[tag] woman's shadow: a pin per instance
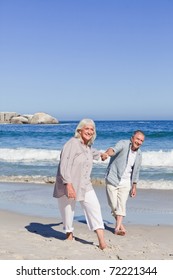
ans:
(45, 230)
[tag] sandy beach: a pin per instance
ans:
(31, 227)
(26, 237)
(32, 238)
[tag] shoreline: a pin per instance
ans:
(96, 181)
(149, 207)
(41, 180)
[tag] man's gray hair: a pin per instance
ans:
(138, 131)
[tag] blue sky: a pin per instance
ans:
(102, 59)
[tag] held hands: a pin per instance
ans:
(104, 156)
(109, 153)
(70, 192)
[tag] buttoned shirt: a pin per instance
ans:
(126, 177)
(118, 163)
(75, 167)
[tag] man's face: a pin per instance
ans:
(137, 141)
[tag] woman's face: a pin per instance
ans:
(87, 133)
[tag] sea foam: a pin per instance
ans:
(149, 159)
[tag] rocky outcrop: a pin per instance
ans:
(19, 119)
(37, 118)
(42, 118)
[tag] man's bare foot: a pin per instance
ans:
(122, 228)
(69, 236)
(120, 231)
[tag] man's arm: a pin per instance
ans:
(109, 153)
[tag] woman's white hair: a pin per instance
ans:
(83, 123)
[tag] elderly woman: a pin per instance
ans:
(73, 182)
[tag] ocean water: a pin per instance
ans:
(34, 150)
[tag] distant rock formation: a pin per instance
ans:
(19, 120)
(37, 118)
(40, 118)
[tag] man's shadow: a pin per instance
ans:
(109, 228)
(46, 230)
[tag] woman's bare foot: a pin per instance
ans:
(69, 236)
(101, 239)
(102, 245)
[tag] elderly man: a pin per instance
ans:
(122, 175)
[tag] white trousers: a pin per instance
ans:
(117, 199)
(90, 206)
